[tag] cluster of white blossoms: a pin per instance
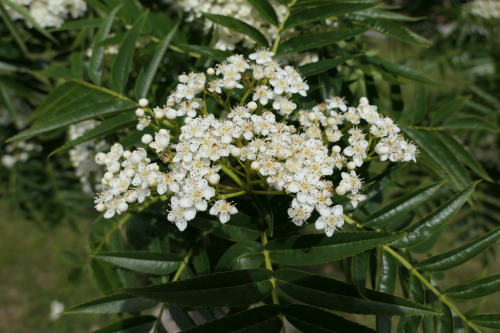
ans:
(487, 9)
(19, 152)
(263, 142)
(50, 13)
(81, 156)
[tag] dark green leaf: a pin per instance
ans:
(207, 52)
(388, 273)
(145, 262)
(262, 319)
(58, 72)
(181, 317)
(302, 16)
(73, 102)
(309, 319)
(402, 206)
(240, 229)
(147, 74)
(13, 30)
(444, 323)
(123, 62)
(85, 23)
(200, 260)
(435, 220)
(400, 70)
(235, 288)
(472, 123)
(317, 40)
(475, 289)
(392, 29)
(359, 268)
(335, 295)
(117, 303)
(247, 254)
(322, 65)
(448, 109)
(238, 26)
(319, 249)
(429, 142)
(266, 10)
(95, 70)
(461, 254)
(463, 155)
(139, 324)
(490, 320)
(420, 105)
(111, 125)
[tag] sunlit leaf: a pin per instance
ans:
(145, 262)
(117, 303)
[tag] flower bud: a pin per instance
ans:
(252, 106)
(147, 139)
(139, 112)
(351, 165)
(340, 190)
(336, 149)
(211, 71)
(100, 207)
(143, 102)
(255, 165)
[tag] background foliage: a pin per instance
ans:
(257, 272)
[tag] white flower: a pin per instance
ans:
(179, 215)
(332, 221)
(223, 209)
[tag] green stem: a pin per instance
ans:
(268, 192)
(282, 28)
(269, 266)
(232, 175)
(419, 276)
(231, 195)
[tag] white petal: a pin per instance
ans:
(181, 225)
(338, 210)
(224, 217)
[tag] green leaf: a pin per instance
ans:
(302, 16)
(207, 52)
(262, 319)
(400, 70)
(21, 10)
(401, 207)
(335, 295)
(463, 155)
(117, 303)
(322, 65)
(56, 71)
(359, 268)
(13, 30)
(95, 70)
(490, 320)
(435, 220)
(83, 23)
(122, 65)
(448, 108)
(472, 123)
(475, 289)
(145, 262)
(247, 254)
(240, 229)
(139, 324)
(147, 74)
(388, 274)
(111, 125)
(317, 40)
(239, 26)
(235, 288)
(429, 142)
(461, 254)
(266, 10)
(444, 323)
(309, 319)
(420, 105)
(319, 249)
(392, 29)
(73, 102)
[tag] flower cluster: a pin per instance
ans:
(19, 152)
(263, 139)
(80, 156)
(487, 9)
(50, 13)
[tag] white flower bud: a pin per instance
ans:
(147, 139)
(100, 207)
(159, 113)
(139, 112)
(127, 154)
(382, 149)
(171, 114)
(340, 190)
(122, 207)
(252, 106)
(108, 176)
(255, 165)
(351, 165)
(143, 102)
(99, 158)
(114, 167)
(214, 179)
(235, 151)
(312, 116)
(336, 149)
(187, 120)
(211, 71)
(281, 154)
(363, 101)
